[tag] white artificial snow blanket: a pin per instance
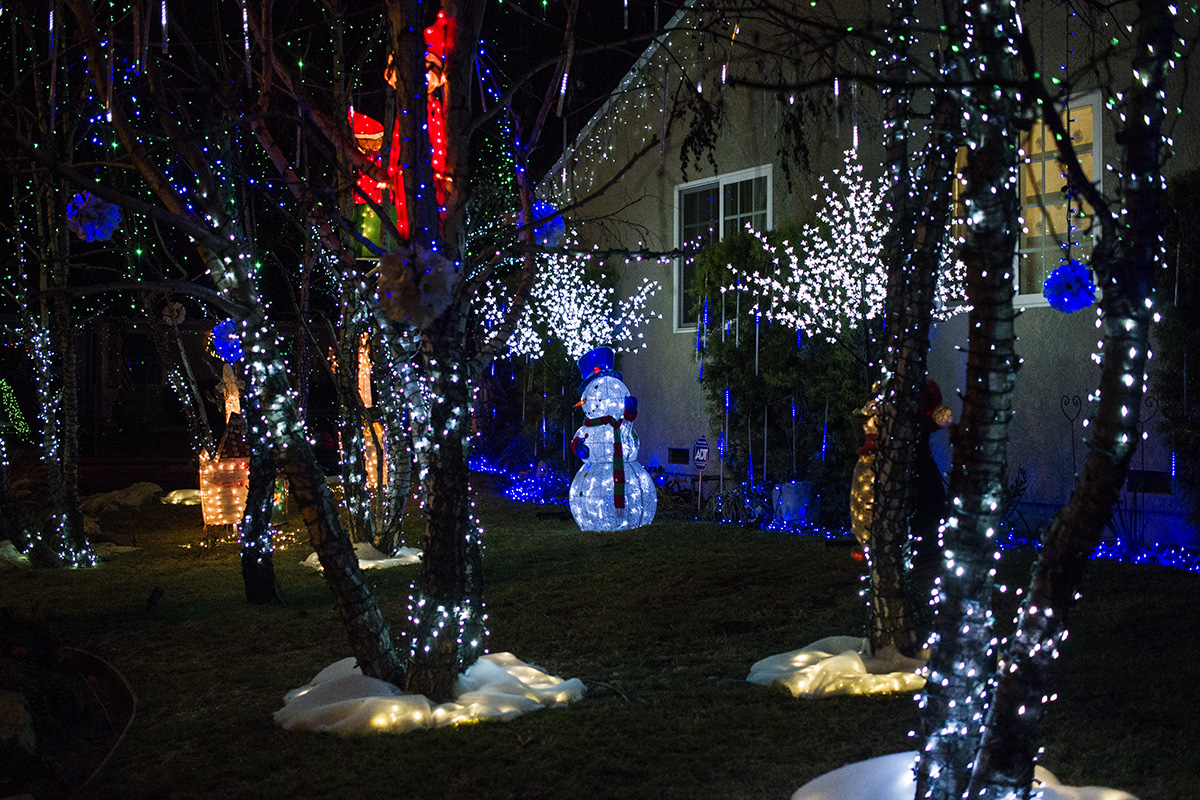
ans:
(10, 556)
(370, 558)
(498, 686)
(183, 497)
(839, 665)
(891, 778)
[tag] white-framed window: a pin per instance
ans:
(1054, 226)
(709, 210)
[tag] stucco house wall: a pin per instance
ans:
(632, 148)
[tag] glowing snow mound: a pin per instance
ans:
(838, 665)
(10, 556)
(499, 686)
(183, 497)
(892, 778)
(370, 558)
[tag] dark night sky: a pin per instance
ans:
(515, 38)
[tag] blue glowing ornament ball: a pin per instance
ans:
(611, 491)
(1070, 288)
(226, 342)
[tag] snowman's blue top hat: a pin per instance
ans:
(596, 363)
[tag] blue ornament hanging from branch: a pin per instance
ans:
(226, 342)
(92, 219)
(1070, 288)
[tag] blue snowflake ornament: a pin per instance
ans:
(226, 342)
(92, 219)
(1070, 288)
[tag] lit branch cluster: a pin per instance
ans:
(835, 277)
(566, 304)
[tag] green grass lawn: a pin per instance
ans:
(662, 624)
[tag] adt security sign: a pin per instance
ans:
(700, 454)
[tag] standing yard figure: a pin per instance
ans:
(862, 484)
(611, 491)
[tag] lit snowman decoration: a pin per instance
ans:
(611, 491)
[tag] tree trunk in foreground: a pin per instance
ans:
(446, 616)
(1124, 264)
(917, 237)
(904, 369)
(961, 643)
(258, 563)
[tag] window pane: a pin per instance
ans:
(698, 218)
(1054, 228)
(745, 202)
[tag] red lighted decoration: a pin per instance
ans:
(439, 38)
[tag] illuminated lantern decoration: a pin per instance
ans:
(611, 491)
(225, 479)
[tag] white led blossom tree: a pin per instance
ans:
(834, 278)
(569, 304)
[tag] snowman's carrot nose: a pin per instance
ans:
(577, 405)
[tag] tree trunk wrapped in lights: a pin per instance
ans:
(915, 243)
(1123, 261)
(954, 700)
(395, 352)
(257, 550)
(447, 621)
(446, 616)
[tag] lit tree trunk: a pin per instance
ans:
(954, 698)
(1124, 264)
(258, 563)
(63, 325)
(916, 241)
(395, 353)
(59, 445)
(446, 615)
(904, 357)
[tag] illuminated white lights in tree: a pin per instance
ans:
(568, 304)
(832, 280)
